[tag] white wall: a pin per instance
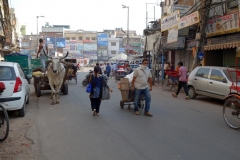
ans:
(113, 48)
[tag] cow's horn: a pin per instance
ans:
(47, 55)
(64, 56)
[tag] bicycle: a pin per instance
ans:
(231, 112)
(4, 119)
(171, 81)
(4, 123)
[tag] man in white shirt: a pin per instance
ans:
(42, 50)
(141, 77)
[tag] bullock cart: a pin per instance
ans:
(72, 70)
(41, 81)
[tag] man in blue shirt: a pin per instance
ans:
(108, 70)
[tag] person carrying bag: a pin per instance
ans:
(99, 90)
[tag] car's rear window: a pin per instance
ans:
(7, 73)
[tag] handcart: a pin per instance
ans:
(128, 95)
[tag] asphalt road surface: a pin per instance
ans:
(179, 129)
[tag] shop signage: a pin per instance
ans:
(170, 21)
(102, 39)
(180, 44)
(200, 55)
(223, 25)
(89, 47)
(72, 47)
(224, 39)
(24, 44)
(50, 45)
(183, 31)
(172, 35)
(191, 44)
(188, 20)
(182, 8)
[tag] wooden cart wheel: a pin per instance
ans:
(38, 90)
(65, 89)
(121, 104)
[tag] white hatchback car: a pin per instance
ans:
(16, 85)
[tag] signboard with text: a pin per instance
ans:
(172, 35)
(102, 39)
(59, 42)
(189, 20)
(170, 21)
(223, 25)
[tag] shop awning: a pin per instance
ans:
(221, 46)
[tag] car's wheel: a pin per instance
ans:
(192, 93)
(84, 82)
(21, 112)
(27, 102)
(65, 90)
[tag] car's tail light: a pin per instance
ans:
(2, 87)
(18, 85)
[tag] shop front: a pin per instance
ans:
(221, 50)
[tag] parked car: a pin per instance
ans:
(16, 84)
(211, 81)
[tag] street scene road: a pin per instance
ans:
(179, 129)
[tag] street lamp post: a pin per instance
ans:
(37, 27)
(127, 29)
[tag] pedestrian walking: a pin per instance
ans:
(182, 80)
(97, 83)
(108, 70)
(100, 72)
(42, 48)
(141, 77)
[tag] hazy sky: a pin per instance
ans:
(94, 15)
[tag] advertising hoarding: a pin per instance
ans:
(89, 47)
(170, 21)
(223, 25)
(172, 35)
(189, 20)
(60, 42)
(102, 39)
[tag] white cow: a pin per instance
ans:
(56, 73)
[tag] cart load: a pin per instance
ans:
(127, 94)
(24, 60)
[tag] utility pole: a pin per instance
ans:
(204, 12)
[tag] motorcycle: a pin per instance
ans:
(86, 80)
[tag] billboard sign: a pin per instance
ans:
(170, 21)
(102, 39)
(189, 20)
(172, 35)
(223, 25)
(59, 42)
(90, 47)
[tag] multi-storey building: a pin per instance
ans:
(82, 44)
(28, 44)
(53, 36)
